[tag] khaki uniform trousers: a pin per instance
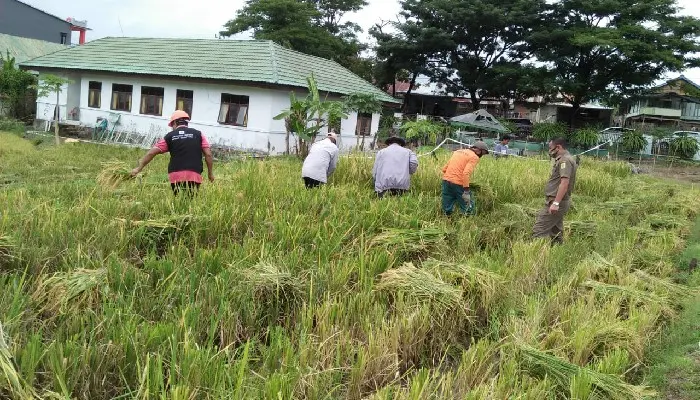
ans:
(551, 225)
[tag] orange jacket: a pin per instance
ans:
(460, 167)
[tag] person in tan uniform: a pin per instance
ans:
(456, 176)
(550, 220)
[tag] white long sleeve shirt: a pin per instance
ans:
(321, 161)
(393, 168)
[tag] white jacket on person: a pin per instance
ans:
(321, 161)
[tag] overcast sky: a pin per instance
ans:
(205, 18)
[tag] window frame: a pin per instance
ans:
(237, 105)
(157, 98)
(119, 93)
(185, 101)
(97, 97)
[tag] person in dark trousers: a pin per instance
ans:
(321, 161)
(550, 220)
(186, 147)
(393, 168)
(456, 177)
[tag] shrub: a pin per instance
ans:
(546, 131)
(685, 146)
(585, 137)
(633, 142)
(11, 125)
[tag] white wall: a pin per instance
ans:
(262, 133)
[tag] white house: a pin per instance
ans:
(231, 88)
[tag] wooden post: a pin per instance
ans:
(57, 114)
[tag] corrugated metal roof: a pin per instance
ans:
(24, 49)
(237, 60)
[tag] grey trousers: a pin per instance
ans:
(551, 225)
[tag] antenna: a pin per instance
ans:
(120, 25)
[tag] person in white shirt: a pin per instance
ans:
(321, 162)
(393, 168)
(501, 149)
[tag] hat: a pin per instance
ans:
(332, 135)
(481, 146)
(177, 116)
(395, 140)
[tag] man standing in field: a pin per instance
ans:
(321, 162)
(501, 149)
(550, 220)
(393, 168)
(456, 176)
(186, 146)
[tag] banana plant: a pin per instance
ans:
(306, 117)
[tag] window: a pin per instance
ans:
(95, 94)
(152, 100)
(64, 38)
(121, 97)
(364, 124)
(234, 110)
(183, 101)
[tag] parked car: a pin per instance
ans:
(523, 126)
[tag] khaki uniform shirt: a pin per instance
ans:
(564, 167)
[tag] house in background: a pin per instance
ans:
(231, 88)
(23, 20)
(537, 110)
(673, 105)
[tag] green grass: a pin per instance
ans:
(260, 289)
(675, 360)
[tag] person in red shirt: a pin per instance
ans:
(186, 147)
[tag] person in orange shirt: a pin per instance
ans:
(456, 176)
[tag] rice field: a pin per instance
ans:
(260, 289)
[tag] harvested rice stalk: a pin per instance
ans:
(675, 291)
(10, 380)
(70, 291)
(273, 282)
(409, 240)
(486, 283)
(113, 173)
(422, 286)
(633, 293)
(563, 373)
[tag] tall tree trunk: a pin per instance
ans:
(476, 102)
(407, 96)
(57, 114)
(575, 108)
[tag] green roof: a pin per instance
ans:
(24, 49)
(235, 60)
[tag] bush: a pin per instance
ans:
(633, 142)
(11, 125)
(685, 147)
(546, 131)
(585, 138)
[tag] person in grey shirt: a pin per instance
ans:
(501, 149)
(393, 168)
(321, 162)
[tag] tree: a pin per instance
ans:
(469, 38)
(49, 84)
(601, 50)
(313, 27)
(15, 87)
(306, 117)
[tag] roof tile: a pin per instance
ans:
(237, 60)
